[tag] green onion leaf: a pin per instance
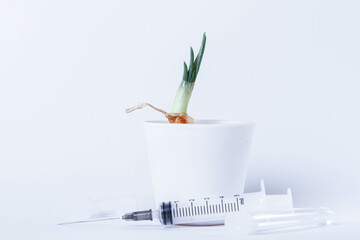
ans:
(185, 75)
(191, 64)
(200, 54)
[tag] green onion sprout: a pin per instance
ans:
(185, 89)
(179, 108)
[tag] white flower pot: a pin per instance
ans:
(205, 159)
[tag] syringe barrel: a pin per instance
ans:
(202, 211)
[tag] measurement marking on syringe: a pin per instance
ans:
(208, 207)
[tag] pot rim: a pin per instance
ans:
(200, 123)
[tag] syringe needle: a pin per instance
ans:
(138, 216)
(89, 220)
(134, 216)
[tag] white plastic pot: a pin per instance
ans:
(205, 159)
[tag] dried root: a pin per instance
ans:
(172, 117)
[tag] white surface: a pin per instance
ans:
(68, 69)
(205, 159)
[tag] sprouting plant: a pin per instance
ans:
(179, 108)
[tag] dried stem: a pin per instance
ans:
(172, 117)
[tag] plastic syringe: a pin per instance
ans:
(212, 211)
(249, 213)
(193, 211)
(200, 211)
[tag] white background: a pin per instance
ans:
(68, 69)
